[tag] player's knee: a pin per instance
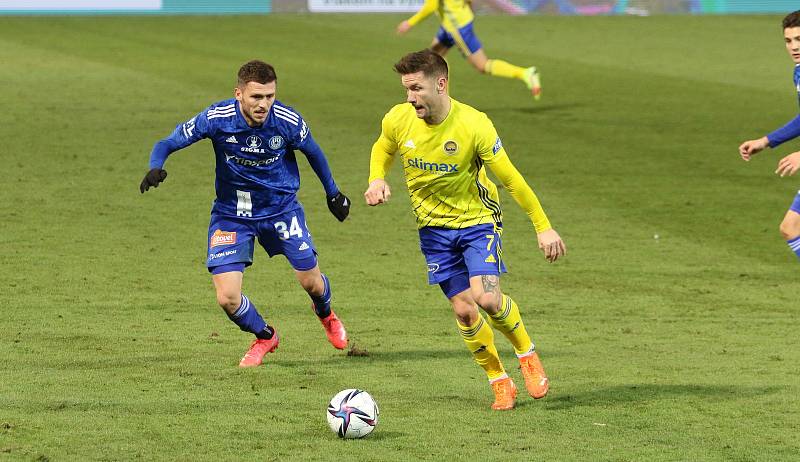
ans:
(489, 302)
(790, 229)
(467, 317)
(229, 301)
(465, 312)
(314, 286)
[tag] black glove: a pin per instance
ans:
(153, 178)
(339, 205)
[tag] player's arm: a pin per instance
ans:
(788, 132)
(427, 8)
(494, 155)
(184, 135)
(791, 163)
(338, 203)
(549, 240)
(380, 160)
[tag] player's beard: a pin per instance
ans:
(256, 117)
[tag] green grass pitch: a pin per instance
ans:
(682, 347)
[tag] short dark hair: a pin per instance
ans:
(792, 20)
(430, 63)
(256, 71)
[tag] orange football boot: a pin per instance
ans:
(536, 380)
(534, 82)
(334, 329)
(258, 349)
(504, 394)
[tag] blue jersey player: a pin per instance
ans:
(254, 138)
(790, 226)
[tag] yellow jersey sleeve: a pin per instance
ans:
(383, 150)
(491, 152)
(427, 8)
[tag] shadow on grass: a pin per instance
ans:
(395, 356)
(392, 356)
(641, 393)
(565, 108)
(380, 435)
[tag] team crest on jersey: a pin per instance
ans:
(450, 147)
(254, 141)
(276, 142)
(221, 237)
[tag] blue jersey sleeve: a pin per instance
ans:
(303, 141)
(789, 131)
(185, 134)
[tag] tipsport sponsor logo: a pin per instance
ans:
(222, 238)
(214, 256)
(441, 168)
(249, 162)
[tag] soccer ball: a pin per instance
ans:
(352, 413)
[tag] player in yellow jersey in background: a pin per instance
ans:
(444, 146)
(457, 29)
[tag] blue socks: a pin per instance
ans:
(322, 304)
(794, 244)
(248, 319)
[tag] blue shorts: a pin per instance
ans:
(796, 203)
(455, 255)
(231, 240)
(465, 38)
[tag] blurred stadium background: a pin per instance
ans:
(514, 7)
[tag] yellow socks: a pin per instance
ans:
(509, 322)
(500, 68)
(480, 341)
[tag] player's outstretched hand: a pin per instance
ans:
(152, 179)
(403, 27)
(552, 245)
(339, 205)
(789, 164)
(752, 147)
(378, 192)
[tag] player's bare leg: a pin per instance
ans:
(438, 48)
(478, 60)
(790, 228)
(242, 312)
(318, 288)
(479, 338)
(504, 315)
(229, 290)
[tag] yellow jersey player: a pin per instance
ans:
(457, 29)
(444, 146)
